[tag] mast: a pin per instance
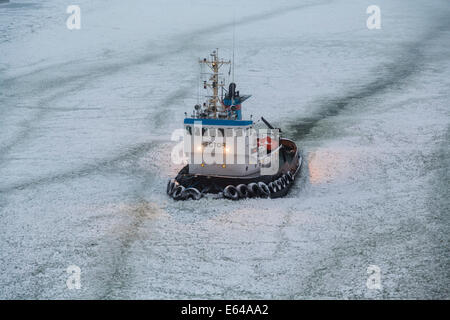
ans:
(214, 64)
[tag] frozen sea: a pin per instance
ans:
(86, 118)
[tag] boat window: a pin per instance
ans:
(221, 133)
(239, 132)
(212, 132)
(189, 130)
(197, 131)
(229, 132)
(203, 131)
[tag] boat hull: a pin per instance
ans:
(290, 165)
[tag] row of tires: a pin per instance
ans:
(259, 189)
(241, 191)
(178, 192)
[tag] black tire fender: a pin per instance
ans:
(253, 189)
(264, 191)
(290, 176)
(170, 186)
(192, 193)
(178, 193)
(242, 190)
(231, 192)
(273, 187)
(283, 183)
(279, 184)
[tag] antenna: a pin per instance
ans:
(234, 35)
(198, 83)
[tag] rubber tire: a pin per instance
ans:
(231, 192)
(286, 179)
(264, 191)
(283, 183)
(243, 191)
(192, 193)
(273, 187)
(177, 193)
(290, 176)
(279, 184)
(170, 186)
(253, 190)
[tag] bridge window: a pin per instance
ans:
(211, 132)
(229, 132)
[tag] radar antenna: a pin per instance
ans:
(213, 82)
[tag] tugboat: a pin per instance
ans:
(228, 156)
